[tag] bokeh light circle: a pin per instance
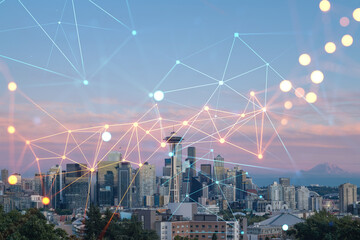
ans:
(12, 86)
(11, 129)
(330, 47)
(285, 86)
(288, 105)
(356, 14)
(106, 136)
(300, 92)
(159, 95)
(284, 121)
(324, 5)
(305, 59)
(347, 40)
(344, 21)
(311, 97)
(317, 76)
(12, 180)
(285, 227)
(45, 200)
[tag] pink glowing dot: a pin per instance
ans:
(344, 21)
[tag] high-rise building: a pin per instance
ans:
(176, 164)
(192, 161)
(289, 196)
(167, 167)
(315, 202)
(54, 185)
(4, 175)
(347, 196)
(219, 173)
(76, 186)
(205, 173)
(146, 183)
(107, 180)
(240, 184)
(285, 182)
(125, 179)
(302, 198)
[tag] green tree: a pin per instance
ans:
(214, 237)
(93, 223)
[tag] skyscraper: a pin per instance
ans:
(205, 173)
(54, 184)
(125, 178)
(302, 198)
(219, 173)
(76, 186)
(4, 175)
(347, 196)
(175, 153)
(192, 161)
(146, 183)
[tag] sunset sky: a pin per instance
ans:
(90, 63)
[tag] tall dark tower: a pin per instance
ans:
(175, 154)
(192, 160)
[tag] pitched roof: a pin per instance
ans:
(281, 219)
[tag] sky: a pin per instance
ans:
(87, 63)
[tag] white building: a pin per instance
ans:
(302, 198)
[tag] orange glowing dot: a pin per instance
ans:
(317, 76)
(206, 108)
(285, 85)
(347, 40)
(260, 156)
(45, 200)
(12, 86)
(140, 164)
(136, 124)
(288, 105)
(330, 47)
(324, 5)
(252, 93)
(356, 14)
(37, 159)
(344, 21)
(300, 92)
(185, 123)
(242, 115)
(311, 97)
(27, 142)
(222, 140)
(63, 157)
(284, 121)
(92, 170)
(12, 180)
(163, 144)
(11, 129)
(147, 131)
(305, 59)
(106, 126)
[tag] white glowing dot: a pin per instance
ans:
(106, 136)
(285, 227)
(324, 5)
(147, 132)
(242, 115)
(222, 140)
(185, 123)
(285, 86)
(260, 156)
(347, 40)
(159, 95)
(221, 83)
(356, 14)
(140, 165)
(317, 76)
(12, 86)
(206, 108)
(217, 182)
(135, 124)
(106, 126)
(304, 59)
(252, 93)
(330, 47)
(163, 144)
(264, 109)
(311, 97)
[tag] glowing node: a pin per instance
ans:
(285, 86)
(246, 173)
(242, 232)
(347, 40)
(27, 142)
(317, 76)
(151, 95)
(185, 123)
(236, 34)
(356, 14)
(171, 154)
(324, 5)
(305, 59)
(86, 82)
(92, 170)
(12, 86)
(37, 159)
(300, 92)
(285, 227)
(217, 182)
(45, 200)
(177, 62)
(252, 93)
(140, 164)
(163, 144)
(311, 97)
(222, 140)
(69, 131)
(187, 195)
(344, 21)
(12, 180)
(147, 131)
(284, 121)
(330, 47)
(59, 22)
(123, 160)
(221, 83)
(159, 95)
(260, 196)
(135, 124)
(288, 105)
(260, 156)
(63, 157)
(206, 108)
(133, 32)
(211, 150)
(11, 129)
(106, 136)
(106, 126)
(264, 109)
(242, 115)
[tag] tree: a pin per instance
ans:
(214, 237)
(93, 223)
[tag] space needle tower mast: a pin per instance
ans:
(175, 154)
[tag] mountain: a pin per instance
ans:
(325, 169)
